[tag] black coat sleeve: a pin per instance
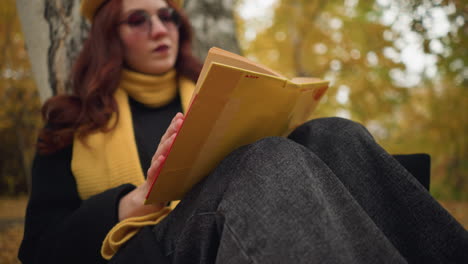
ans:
(60, 227)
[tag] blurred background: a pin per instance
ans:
(398, 67)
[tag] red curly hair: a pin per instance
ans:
(95, 78)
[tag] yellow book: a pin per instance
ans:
(236, 102)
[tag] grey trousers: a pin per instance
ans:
(327, 194)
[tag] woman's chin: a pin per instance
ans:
(159, 68)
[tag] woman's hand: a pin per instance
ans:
(132, 204)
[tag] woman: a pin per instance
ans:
(134, 74)
(329, 193)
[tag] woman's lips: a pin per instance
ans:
(161, 49)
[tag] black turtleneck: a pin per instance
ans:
(150, 124)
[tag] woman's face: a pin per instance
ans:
(150, 36)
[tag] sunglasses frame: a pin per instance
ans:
(174, 18)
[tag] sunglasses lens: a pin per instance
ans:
(168, 15)
(137, 19)
(141, 20)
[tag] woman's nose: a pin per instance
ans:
(158, 28)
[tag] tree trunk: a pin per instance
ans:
(214, 25)
(54, 32)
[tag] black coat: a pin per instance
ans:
(62, 228)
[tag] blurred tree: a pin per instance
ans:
(19, 112)
(439, 102)
(214, 25)
(54, 32)
(398, 67)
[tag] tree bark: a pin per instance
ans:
(54, 32)
(214, 25)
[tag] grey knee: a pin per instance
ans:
(330, 130)
(273, 149)
(272, 154)
(267, 167)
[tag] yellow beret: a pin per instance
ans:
(89, 7)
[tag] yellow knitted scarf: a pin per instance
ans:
(111, 159)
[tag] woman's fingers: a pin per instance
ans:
(131, 204)
(163, 149)
(173, 128)
(159, 157)
(175, 123)
(151, 174)
(168, 138)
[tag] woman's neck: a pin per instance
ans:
(151, 90)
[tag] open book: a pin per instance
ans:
(236, 102)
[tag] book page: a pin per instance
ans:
(217, 55)
(304, 80)
(232, 59)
